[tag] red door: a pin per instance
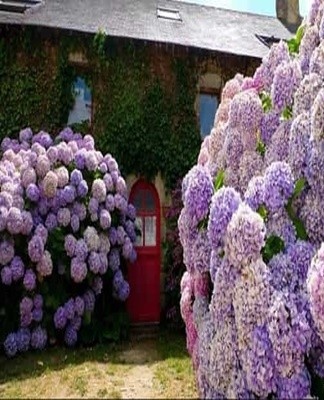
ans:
(144, 275)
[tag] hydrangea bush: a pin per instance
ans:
(66, 231)
(252, 230)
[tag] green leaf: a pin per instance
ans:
(262, 211)
(287, 113)
(203, 224)
(274, 245)
(266, 101)
(87, 318)
(294, 43)
(219, 180)
(298, 223)
(299, 186)
(261, 148)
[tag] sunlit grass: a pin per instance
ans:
(100, 372)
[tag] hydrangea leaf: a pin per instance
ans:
(219, 180)
(274, 245)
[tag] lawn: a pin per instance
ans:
(146, 368)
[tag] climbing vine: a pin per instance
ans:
(147, 125)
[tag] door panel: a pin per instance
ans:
(144, 275)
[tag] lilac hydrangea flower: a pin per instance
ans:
(223, 205)
(278, 185)
(198, 193)
(245, 237)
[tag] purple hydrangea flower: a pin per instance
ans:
(32, 192)
(245, 237)
(38, 301)
(278, 185)
(23, 337)
(97, 285)
(38, 338)
(7, 252)
(70, 244)
(114, 259)
(199, 192)
(70, 336)
(17, 268)
(76, 177)
(89, 300)
(29, 280)
(60, 318)
(35, 248)
(223, 205)
(78, 270)
(69, 309)
(82, 189)
(10, 345)
(6, 276)
(79, 306)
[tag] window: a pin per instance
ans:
(18, 6)
(208, 104)
(82, 108)
(167, 13)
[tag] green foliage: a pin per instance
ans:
(274, 245)
(266, 101)
(219, 180)
(299, 226)
(294, 43)
(146, 127)
(287, 113)
(261, 147)
(263, 212)
(35, 85)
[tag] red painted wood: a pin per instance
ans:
(143, 304)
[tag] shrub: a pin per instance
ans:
(252, 227)
(66, 232)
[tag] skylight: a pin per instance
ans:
(168, 13)
(267, 40)
(18, 6)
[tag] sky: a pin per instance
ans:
(266, 7)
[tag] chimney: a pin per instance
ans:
(288, 13)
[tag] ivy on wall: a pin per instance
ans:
(148, 126)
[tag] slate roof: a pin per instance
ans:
(200, 26)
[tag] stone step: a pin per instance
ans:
(144, 331)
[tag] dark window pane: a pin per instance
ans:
(149, 201)
(138, 200)
(208, 104)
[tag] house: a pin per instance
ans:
(139, 68)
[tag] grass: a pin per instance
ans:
(174, 371)
(147, 368)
